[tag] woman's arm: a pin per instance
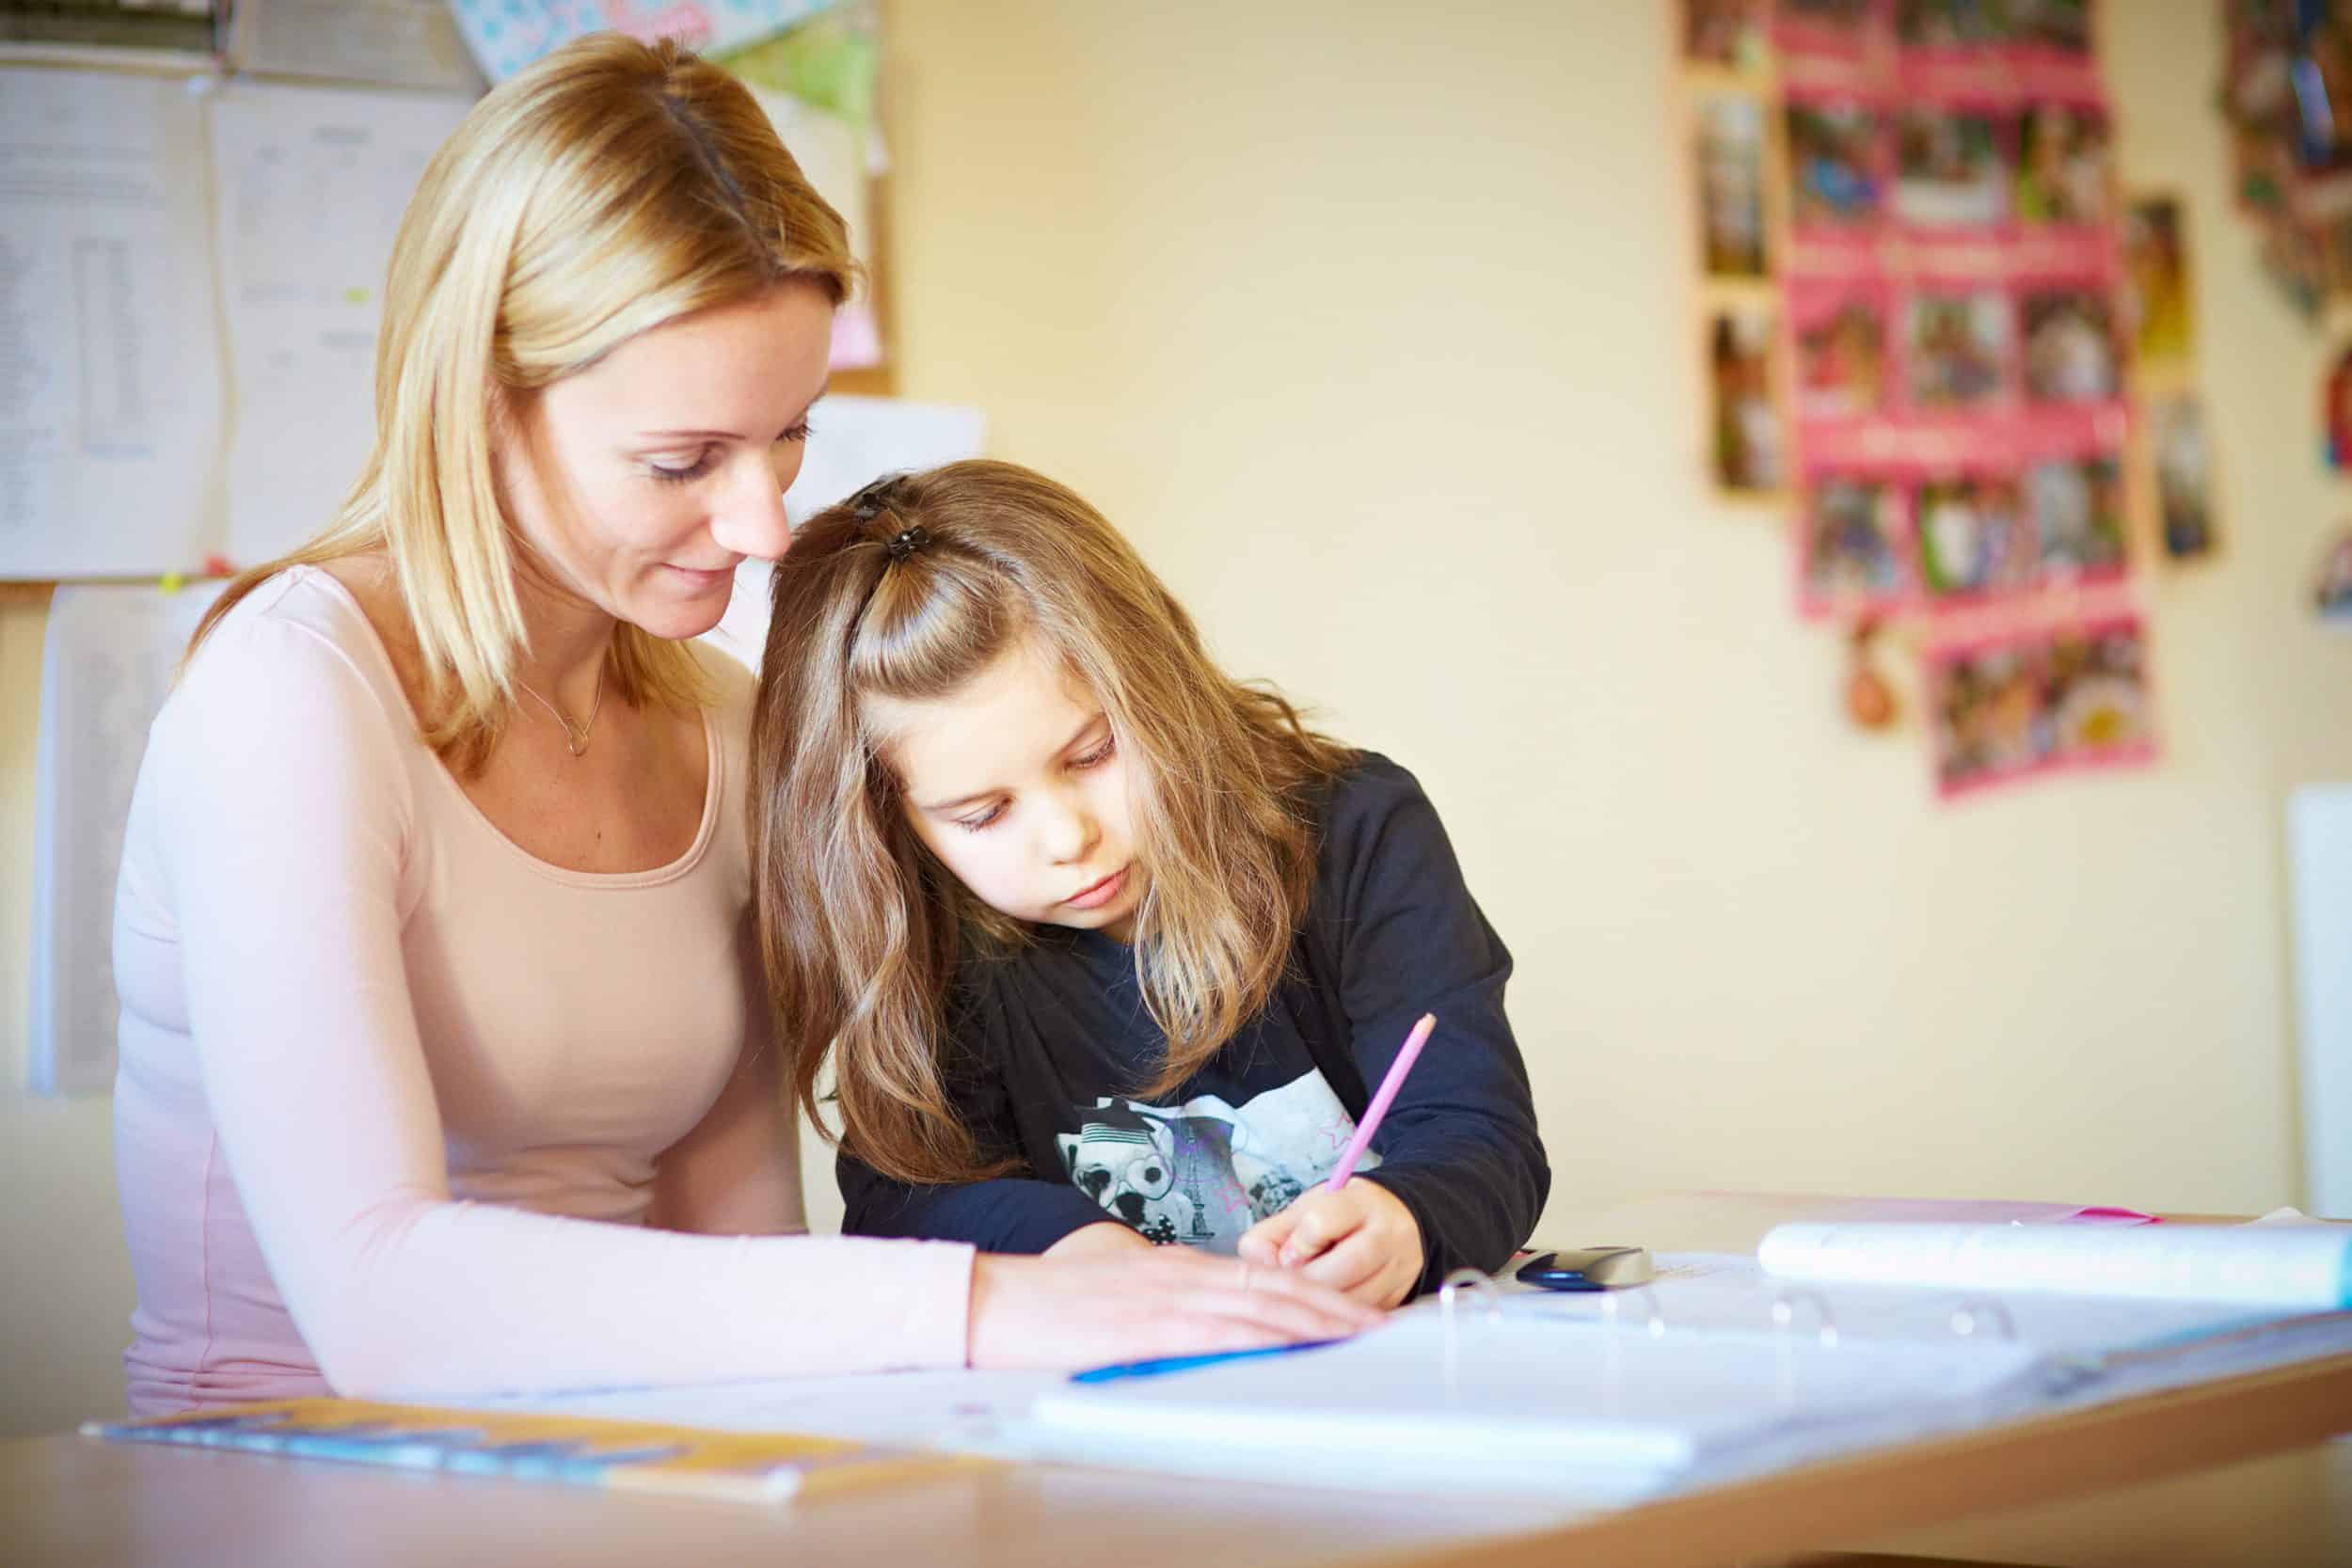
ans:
(284, 814)
(738, 1172)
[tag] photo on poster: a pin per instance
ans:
(2065, 165)
(2184, 479)
(2336, 410)
(1956, 348)
(1840, 331)
(1731, 185)
(1840, 27)
(2060, 27)
(1834, 164)
(1972, 540)
(1951, 23)
(1747, 438)
(2070, 353)
(1851, 544)
(2156, 273)
(1985, 715)
(2095, 693)
(2332, 589)
(1726, 33)
(2075, 506)
(1948, 170)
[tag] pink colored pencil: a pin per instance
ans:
(1389, 1085)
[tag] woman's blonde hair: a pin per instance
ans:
(611, 188)
(861, 928)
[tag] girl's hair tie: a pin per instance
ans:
(907, 541)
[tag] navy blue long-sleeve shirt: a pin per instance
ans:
(1049, 1044)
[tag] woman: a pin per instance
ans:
(431, 930)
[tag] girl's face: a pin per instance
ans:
(1017, 785)
(643, 480)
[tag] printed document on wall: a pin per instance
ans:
(110, 409)
(311, 185)
(390, 43)
(106, 667)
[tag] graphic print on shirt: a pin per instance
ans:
(1204, 1172)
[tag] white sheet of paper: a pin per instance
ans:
(965, 1411)
(312, 182)
(1730, 1292)
(392, 43)
(110, 406)
(107, 665)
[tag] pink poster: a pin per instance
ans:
(1958, 354)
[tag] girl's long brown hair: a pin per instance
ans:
(860, 927)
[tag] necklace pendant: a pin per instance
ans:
(579, 743)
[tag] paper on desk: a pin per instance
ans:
(312, 182)
(966, 1411)
(2287, 1267)
(1735, 1221)
(106, 667)
(110, 408)
(1732, 1292)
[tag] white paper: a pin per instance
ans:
(2319, 866)
(1582, 1413)
(107, 665)
(1730, 1292)
(963, 1411)
(110, 408)
(393, 43)
(312, 182)
(853, 441)
(2286, 1267)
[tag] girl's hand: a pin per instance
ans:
(1092, 1310)
(1360, 1240)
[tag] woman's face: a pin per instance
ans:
(644, 478)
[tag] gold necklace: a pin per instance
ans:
(575, 736)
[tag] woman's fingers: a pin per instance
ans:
(1051, 1312)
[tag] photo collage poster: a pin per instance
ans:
(1920, 344)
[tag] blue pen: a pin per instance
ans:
(1185, 1363)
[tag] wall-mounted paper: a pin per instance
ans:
(106, 668)
(312, 182)
(110, 408)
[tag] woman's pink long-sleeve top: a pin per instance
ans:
(405, 1111)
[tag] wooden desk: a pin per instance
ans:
(67, 1500)
(2093, 1487)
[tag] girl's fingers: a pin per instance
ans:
(1352, 1263)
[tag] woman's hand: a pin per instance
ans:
(1360, 1240)
(1091, 1308)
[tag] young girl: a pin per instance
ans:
(1106, 946)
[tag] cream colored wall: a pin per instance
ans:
(1374, 329)
(1371, 323)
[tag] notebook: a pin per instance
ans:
(1715, 1371)
(580, 1451)
(1588, 1412)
